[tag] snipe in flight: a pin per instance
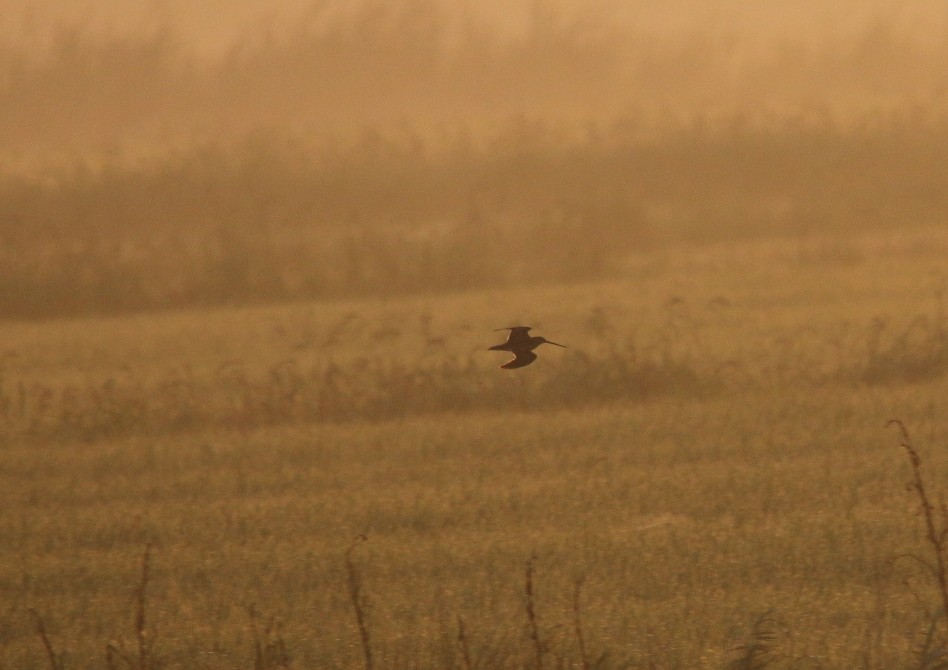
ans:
(521, 344)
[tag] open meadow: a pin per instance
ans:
(252, 256)
(704, 477)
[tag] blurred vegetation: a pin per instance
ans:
(351, 369)
(403, 147)
(426, 62)
(270, 218)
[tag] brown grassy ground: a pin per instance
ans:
(710, 450)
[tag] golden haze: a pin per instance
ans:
(251, 258)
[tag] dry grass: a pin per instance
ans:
(696, 330)
(752, 480)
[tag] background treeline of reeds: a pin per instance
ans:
(72, 83)
(414, 147)
(273, 218)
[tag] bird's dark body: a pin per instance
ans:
(521, 344)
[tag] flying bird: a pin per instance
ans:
(521, 345)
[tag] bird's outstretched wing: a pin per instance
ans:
(521, 358)
(517, 334)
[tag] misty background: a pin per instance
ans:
(167, 154)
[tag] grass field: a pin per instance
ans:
(705, 474)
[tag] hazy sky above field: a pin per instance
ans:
(93, 73)
(211, 26)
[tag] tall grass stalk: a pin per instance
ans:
(578, 623)
(111, 652)
(759, 649)
(141, 634)
(936, 529)
(534, 627)
(463, 645)
(269, 651)
(355, 595)
(55, 663)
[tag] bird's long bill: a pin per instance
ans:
(559, 345)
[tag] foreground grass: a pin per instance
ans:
(689, 513)
(685, 521)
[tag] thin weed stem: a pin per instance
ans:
(531, 614)
(578, 623)
(54, 662)
(463, 646)
(269, 652)
(111, 652)
(936, 531)
(355, 594)
(141, 634)
(258, 660)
